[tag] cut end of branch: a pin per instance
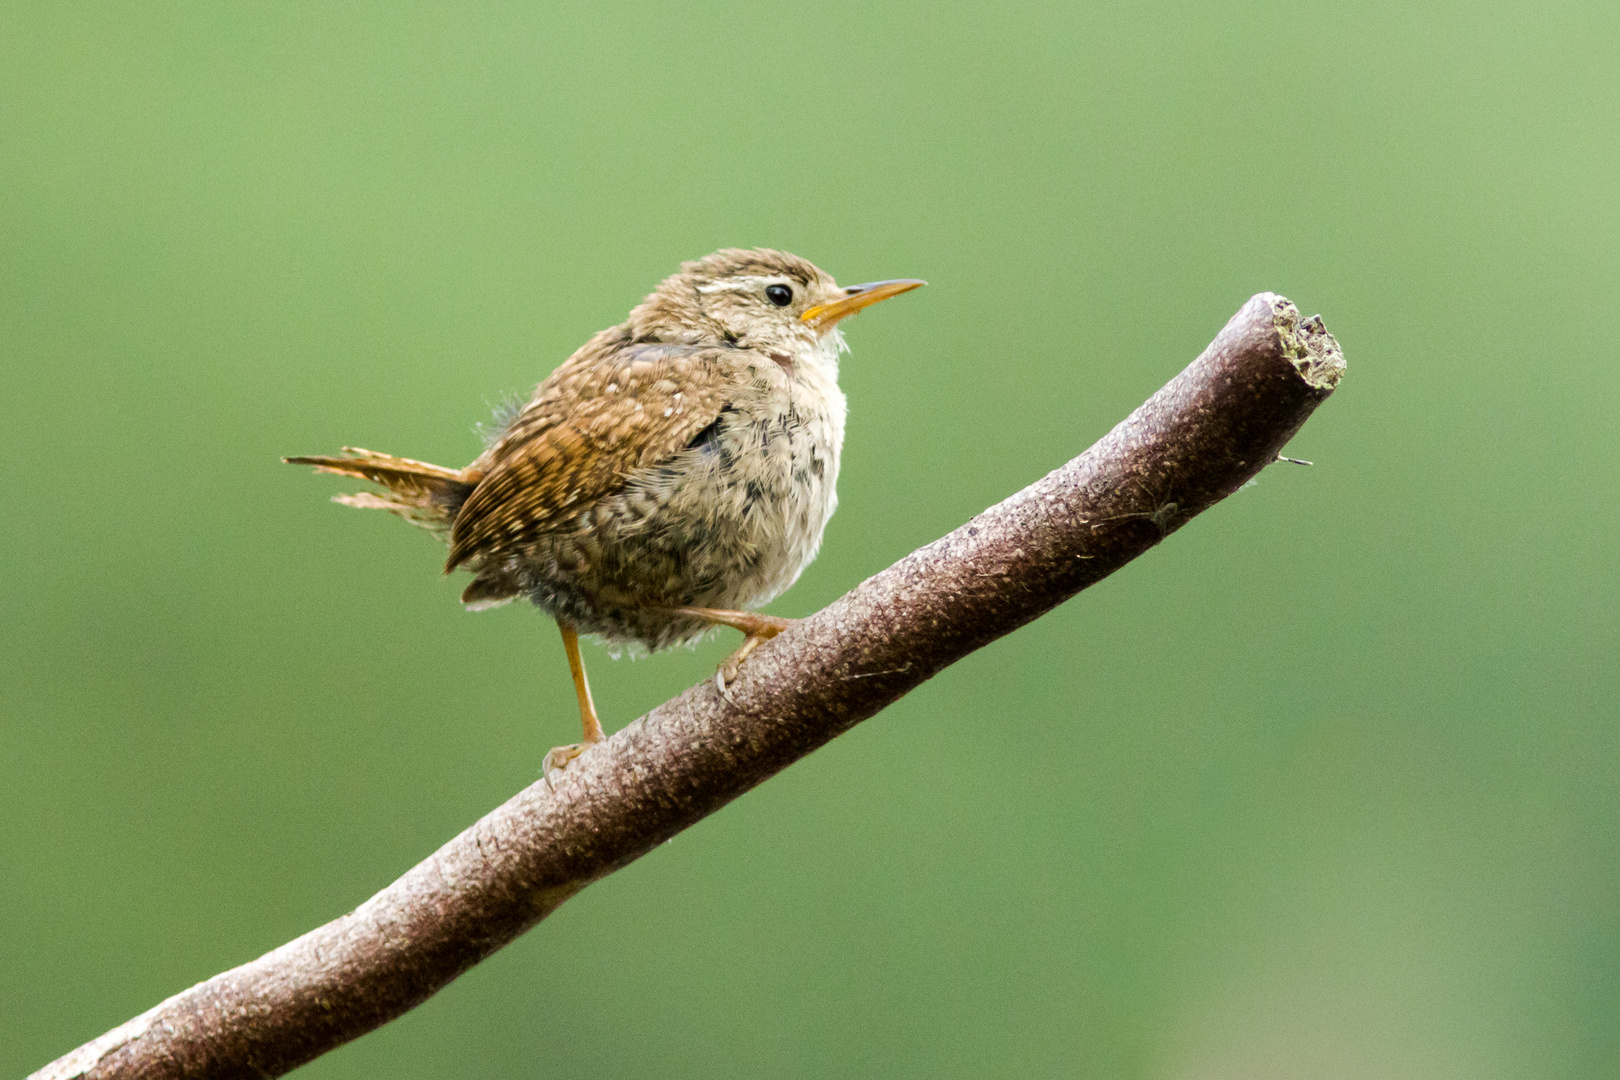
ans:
(1313, 351)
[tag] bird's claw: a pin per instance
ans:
(731, 665)
(721, 681)
(557, 759)
(757, 629)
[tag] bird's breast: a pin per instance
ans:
(746, 504)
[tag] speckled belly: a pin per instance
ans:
(729, 522)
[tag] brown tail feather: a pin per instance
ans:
(423, 494)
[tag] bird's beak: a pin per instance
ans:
(823, 316)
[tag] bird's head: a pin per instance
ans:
(777, 303)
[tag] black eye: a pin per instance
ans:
(780, 295)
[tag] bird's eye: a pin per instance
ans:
(780, 295)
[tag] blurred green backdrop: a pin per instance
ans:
(1324, 786)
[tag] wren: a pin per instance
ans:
(675, 473)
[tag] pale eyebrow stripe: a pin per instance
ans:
(742, 284)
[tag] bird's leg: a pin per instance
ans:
(560, 756)
(759, 628)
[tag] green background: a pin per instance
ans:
(1324, 786)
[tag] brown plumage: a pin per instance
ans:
(678, 466)
(423, 494)
(613, 409)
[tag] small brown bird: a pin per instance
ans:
(673, 474)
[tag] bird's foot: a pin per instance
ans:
(759, 628)
(727, 672)
(558, 758)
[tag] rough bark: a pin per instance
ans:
(1197, 440)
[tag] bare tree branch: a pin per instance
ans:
(1197, 440)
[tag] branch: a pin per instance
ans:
(1196, 441)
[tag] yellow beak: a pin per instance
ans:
(823, 316)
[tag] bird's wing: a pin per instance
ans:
(592, 423)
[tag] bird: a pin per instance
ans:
(676, 473)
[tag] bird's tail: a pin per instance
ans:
(423, 494)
